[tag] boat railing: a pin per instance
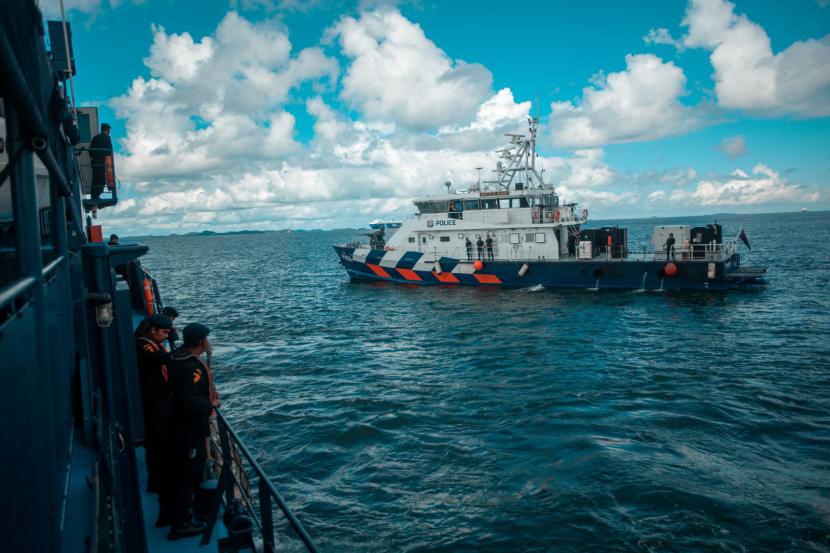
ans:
(86, 171)
(234, 462)
(523, 253)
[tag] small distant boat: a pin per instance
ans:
(378, 224)
(804, 209)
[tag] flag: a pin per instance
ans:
(742, 237)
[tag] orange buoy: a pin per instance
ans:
(478, 265)
(670, 269)
(149, 300)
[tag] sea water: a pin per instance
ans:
(405, 418)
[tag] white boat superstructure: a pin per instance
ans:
(516, 214)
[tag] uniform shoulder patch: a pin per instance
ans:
(148, 347)
(197, 375)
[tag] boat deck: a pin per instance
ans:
(157, 537)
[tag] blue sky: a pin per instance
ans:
(255, 114)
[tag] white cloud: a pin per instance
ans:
(585, 169)
(763, 186)
(662, 36)
(748, 75)
(640, 103)
(397, 74)
(214, 106)
(734, 146)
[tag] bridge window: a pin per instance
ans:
(471, 204)
(411, 239)
(489, 204)
(445, 239)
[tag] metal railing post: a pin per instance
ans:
(227, 460)
(266, 516)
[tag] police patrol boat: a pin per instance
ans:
(71, 462)
(514, 231)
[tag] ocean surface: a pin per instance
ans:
(397, 418)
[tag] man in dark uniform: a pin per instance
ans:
(99, 149)
(489, 243)
(153, 360)
(172, 314)
(469, 246)
(479, 246)
(670, 246)
(189, 426)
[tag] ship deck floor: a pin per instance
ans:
(157, 537)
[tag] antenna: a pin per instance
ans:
(479, 175)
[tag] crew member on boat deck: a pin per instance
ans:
(490, 248)
(173, 337)
(152, 374)
(469, 246)
(99, 149)
(479, 245)
(113, 240)
(190, 394)
(670, 246)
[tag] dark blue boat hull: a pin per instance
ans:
(571, 273)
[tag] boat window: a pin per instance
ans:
(540, 237)
(530, 237)
(523, 202)
(504, 203)
(445, 239)
(411, 239)
(489, 204)
(471, 204)
(514, 237)
(424, 240)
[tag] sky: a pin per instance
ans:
(251, 114)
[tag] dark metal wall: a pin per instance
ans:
(64, 373)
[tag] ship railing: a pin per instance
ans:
(563, 215)
(234, 462)
(694, 252)
(86, 166)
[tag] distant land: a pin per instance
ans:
(597, 220)
(226, 233)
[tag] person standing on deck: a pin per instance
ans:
(479, 246)
(99, 149)
(192, 405)
(670, 246)
(469, 246)
(153, 360)
(489, 243)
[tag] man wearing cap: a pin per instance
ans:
(99, 149)
(153, 360)
(190, 394)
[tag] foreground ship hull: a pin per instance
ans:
(414, 267)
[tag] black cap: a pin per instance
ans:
(170, 311)
(194, 333)
(159, 321)
(105, 126)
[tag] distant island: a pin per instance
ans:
(227, 233)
